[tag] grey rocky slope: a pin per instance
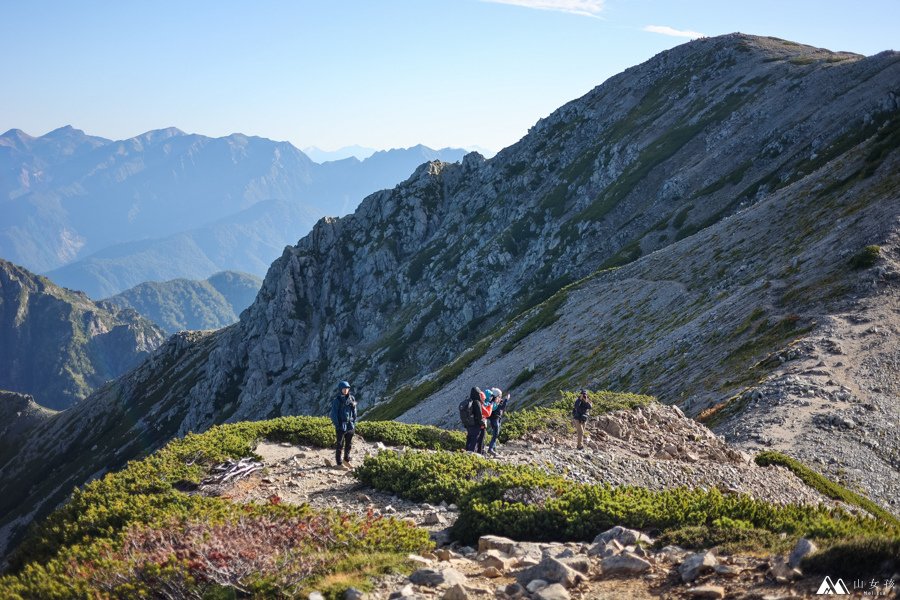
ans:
(183, 304)
(421, 272)
(760, 325)
(59, 346)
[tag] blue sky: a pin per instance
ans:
(379, 73)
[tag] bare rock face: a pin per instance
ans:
(423, 272)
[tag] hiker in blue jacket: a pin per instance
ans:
(343, 415)
(496, 417)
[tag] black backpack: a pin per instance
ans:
(579, 410)
(466, 407)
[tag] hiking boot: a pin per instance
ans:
(348, 463)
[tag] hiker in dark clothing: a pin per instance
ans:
(580, 416)
(343, 415)
(472, 419)
(496, 417)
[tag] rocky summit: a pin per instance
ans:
(679, 230)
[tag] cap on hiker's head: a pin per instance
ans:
(497, 392)
(343, 384)
(583, 392)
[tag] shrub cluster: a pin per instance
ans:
(865, 258)
(825, 486)
(526, 503)
(558, 416)
(94, 524)
(860, 557)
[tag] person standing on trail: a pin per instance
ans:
(496, 417)
(487, 409)
(470, 412)
(583, 405)
(343, 415)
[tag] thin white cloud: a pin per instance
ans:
(586, 8)
(665, 30)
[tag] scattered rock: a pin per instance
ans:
(514, 590)
(456, 592)
(495, 542)
(712, 592)
(443, 554)
(492, 573)
(434, 518)
(434, 578)
(605, 549)
(316, 596)
(582, 564)
(353, 594)
(803, 548)
(551, 570)
(697, 564)
(780, 572)
(536, 585)
(406, 591)
(626, 537)
(552, 592)
(626, 563)
(496, 559)
(727, 570)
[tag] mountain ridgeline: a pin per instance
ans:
(58, 345)
(463, 264)
(102, 216)
(183, 304)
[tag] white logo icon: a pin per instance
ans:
(829, 587)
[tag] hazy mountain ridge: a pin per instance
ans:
(181, 304)
(421, 272)
(71, 197)
(58, 345)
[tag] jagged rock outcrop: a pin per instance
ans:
(58, 345)
(445, 260)
(19, 414)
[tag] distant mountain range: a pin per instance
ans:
(355, 151)
(183, 304)
(102, 216)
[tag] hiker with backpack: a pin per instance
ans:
(470, 415)
(491, 400)
(582, 407)
(343, 415)
(495, 418)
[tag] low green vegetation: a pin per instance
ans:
(89, 547)
(729, 538)
(558, 415)
(526, 503)
(824, 485)
(859, 557)
(865, 258)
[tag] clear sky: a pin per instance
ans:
(379, 73)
